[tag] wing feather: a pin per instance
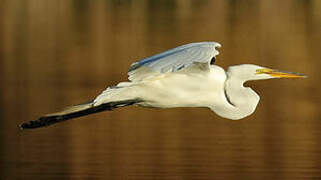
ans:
(173, 60)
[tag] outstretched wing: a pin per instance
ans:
(174, 60)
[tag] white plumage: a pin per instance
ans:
(180, 77)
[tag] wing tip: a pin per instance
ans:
(213, 43)
(216, 44)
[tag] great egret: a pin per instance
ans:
(181, 77)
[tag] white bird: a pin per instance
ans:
(181, 77)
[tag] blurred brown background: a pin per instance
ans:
(62, 52)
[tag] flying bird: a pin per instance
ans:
(181, 77)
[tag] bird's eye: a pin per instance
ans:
(212, 60)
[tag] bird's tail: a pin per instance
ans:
(74, 112)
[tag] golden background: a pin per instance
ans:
(62, 52)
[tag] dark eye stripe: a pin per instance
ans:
(212, 60)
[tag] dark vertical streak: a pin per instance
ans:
(81, 19)
(164, 13)
(213, 60)
(313, 37)
(2, 96)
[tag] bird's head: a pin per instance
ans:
(248, 72)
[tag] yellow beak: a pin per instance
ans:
(280, 74)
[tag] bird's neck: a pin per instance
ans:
(241, 100)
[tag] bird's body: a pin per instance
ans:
(186, 89)
(181, 77)
(178, 89)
